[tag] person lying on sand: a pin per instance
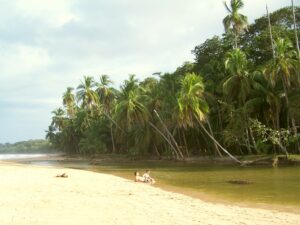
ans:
(138, 178)
(148, 178)
(63, 175)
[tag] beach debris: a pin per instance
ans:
(63, 175)
(241, 182)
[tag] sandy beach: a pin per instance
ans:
(32, 195)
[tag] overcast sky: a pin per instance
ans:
(48, 45)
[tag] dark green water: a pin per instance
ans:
(278, 187)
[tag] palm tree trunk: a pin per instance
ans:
(248, 141)
(185, 144)
(217, 151)
(253, 140)
(169, 134)
(295, 29)
(215, 141)
(168, 141)
(270, 31)
(235, 40)
(112, 138)
(286, 101)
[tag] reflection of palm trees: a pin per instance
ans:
(234, 21)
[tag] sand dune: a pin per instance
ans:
(32, 195)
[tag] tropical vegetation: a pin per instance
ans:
(31, 146)
(240, 96)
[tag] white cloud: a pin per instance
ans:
(54, 12)
(48, 45)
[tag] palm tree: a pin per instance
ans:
(130, 112)
(129, 108)
(238, 85)
(69, 102)
(284, 67)
(235, 21)
(58, 119)
(192, 106)
(50, 133)
(85, 93)
(107, 97)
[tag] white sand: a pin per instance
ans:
(31, 195)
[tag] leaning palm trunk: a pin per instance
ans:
(167, 139)
(217, 143)
(169, 134)
(217, 151)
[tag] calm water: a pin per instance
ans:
(275, 186)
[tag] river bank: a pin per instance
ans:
(209, 180)
(33, 195)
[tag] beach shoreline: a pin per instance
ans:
(33, 195)
(57, 160)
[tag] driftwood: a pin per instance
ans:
(272, 161)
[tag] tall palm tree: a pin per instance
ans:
(50, 133)
(86, 94)
(58, 120)
(238, 85)
(107, 97)
(235, 21)
(192, 106)
(69, 102)
(129, 108)
(284, 67)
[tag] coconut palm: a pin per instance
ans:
(283, 67)
(193, 107)
(107, 97)
(129, 108)
(235, 21)
(58, 120)
(237, 85)
(86, 94)
(50, 133)
(69, 102)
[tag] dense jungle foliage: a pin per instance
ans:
(240, 96)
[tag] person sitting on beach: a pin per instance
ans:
(148, 178)
(138, 178)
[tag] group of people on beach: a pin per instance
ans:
(146, 178)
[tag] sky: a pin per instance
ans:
(49, 45)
